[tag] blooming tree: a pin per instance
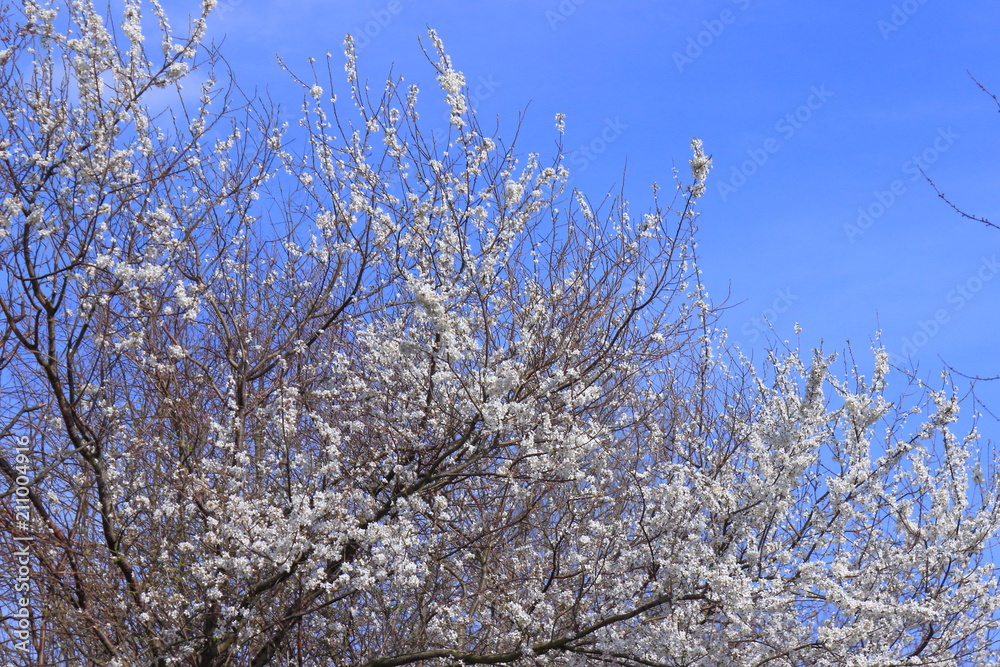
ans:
(351, 393)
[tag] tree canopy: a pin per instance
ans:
(358, 392)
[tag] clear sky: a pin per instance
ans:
(818, 116)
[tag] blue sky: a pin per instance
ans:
(817, 115)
